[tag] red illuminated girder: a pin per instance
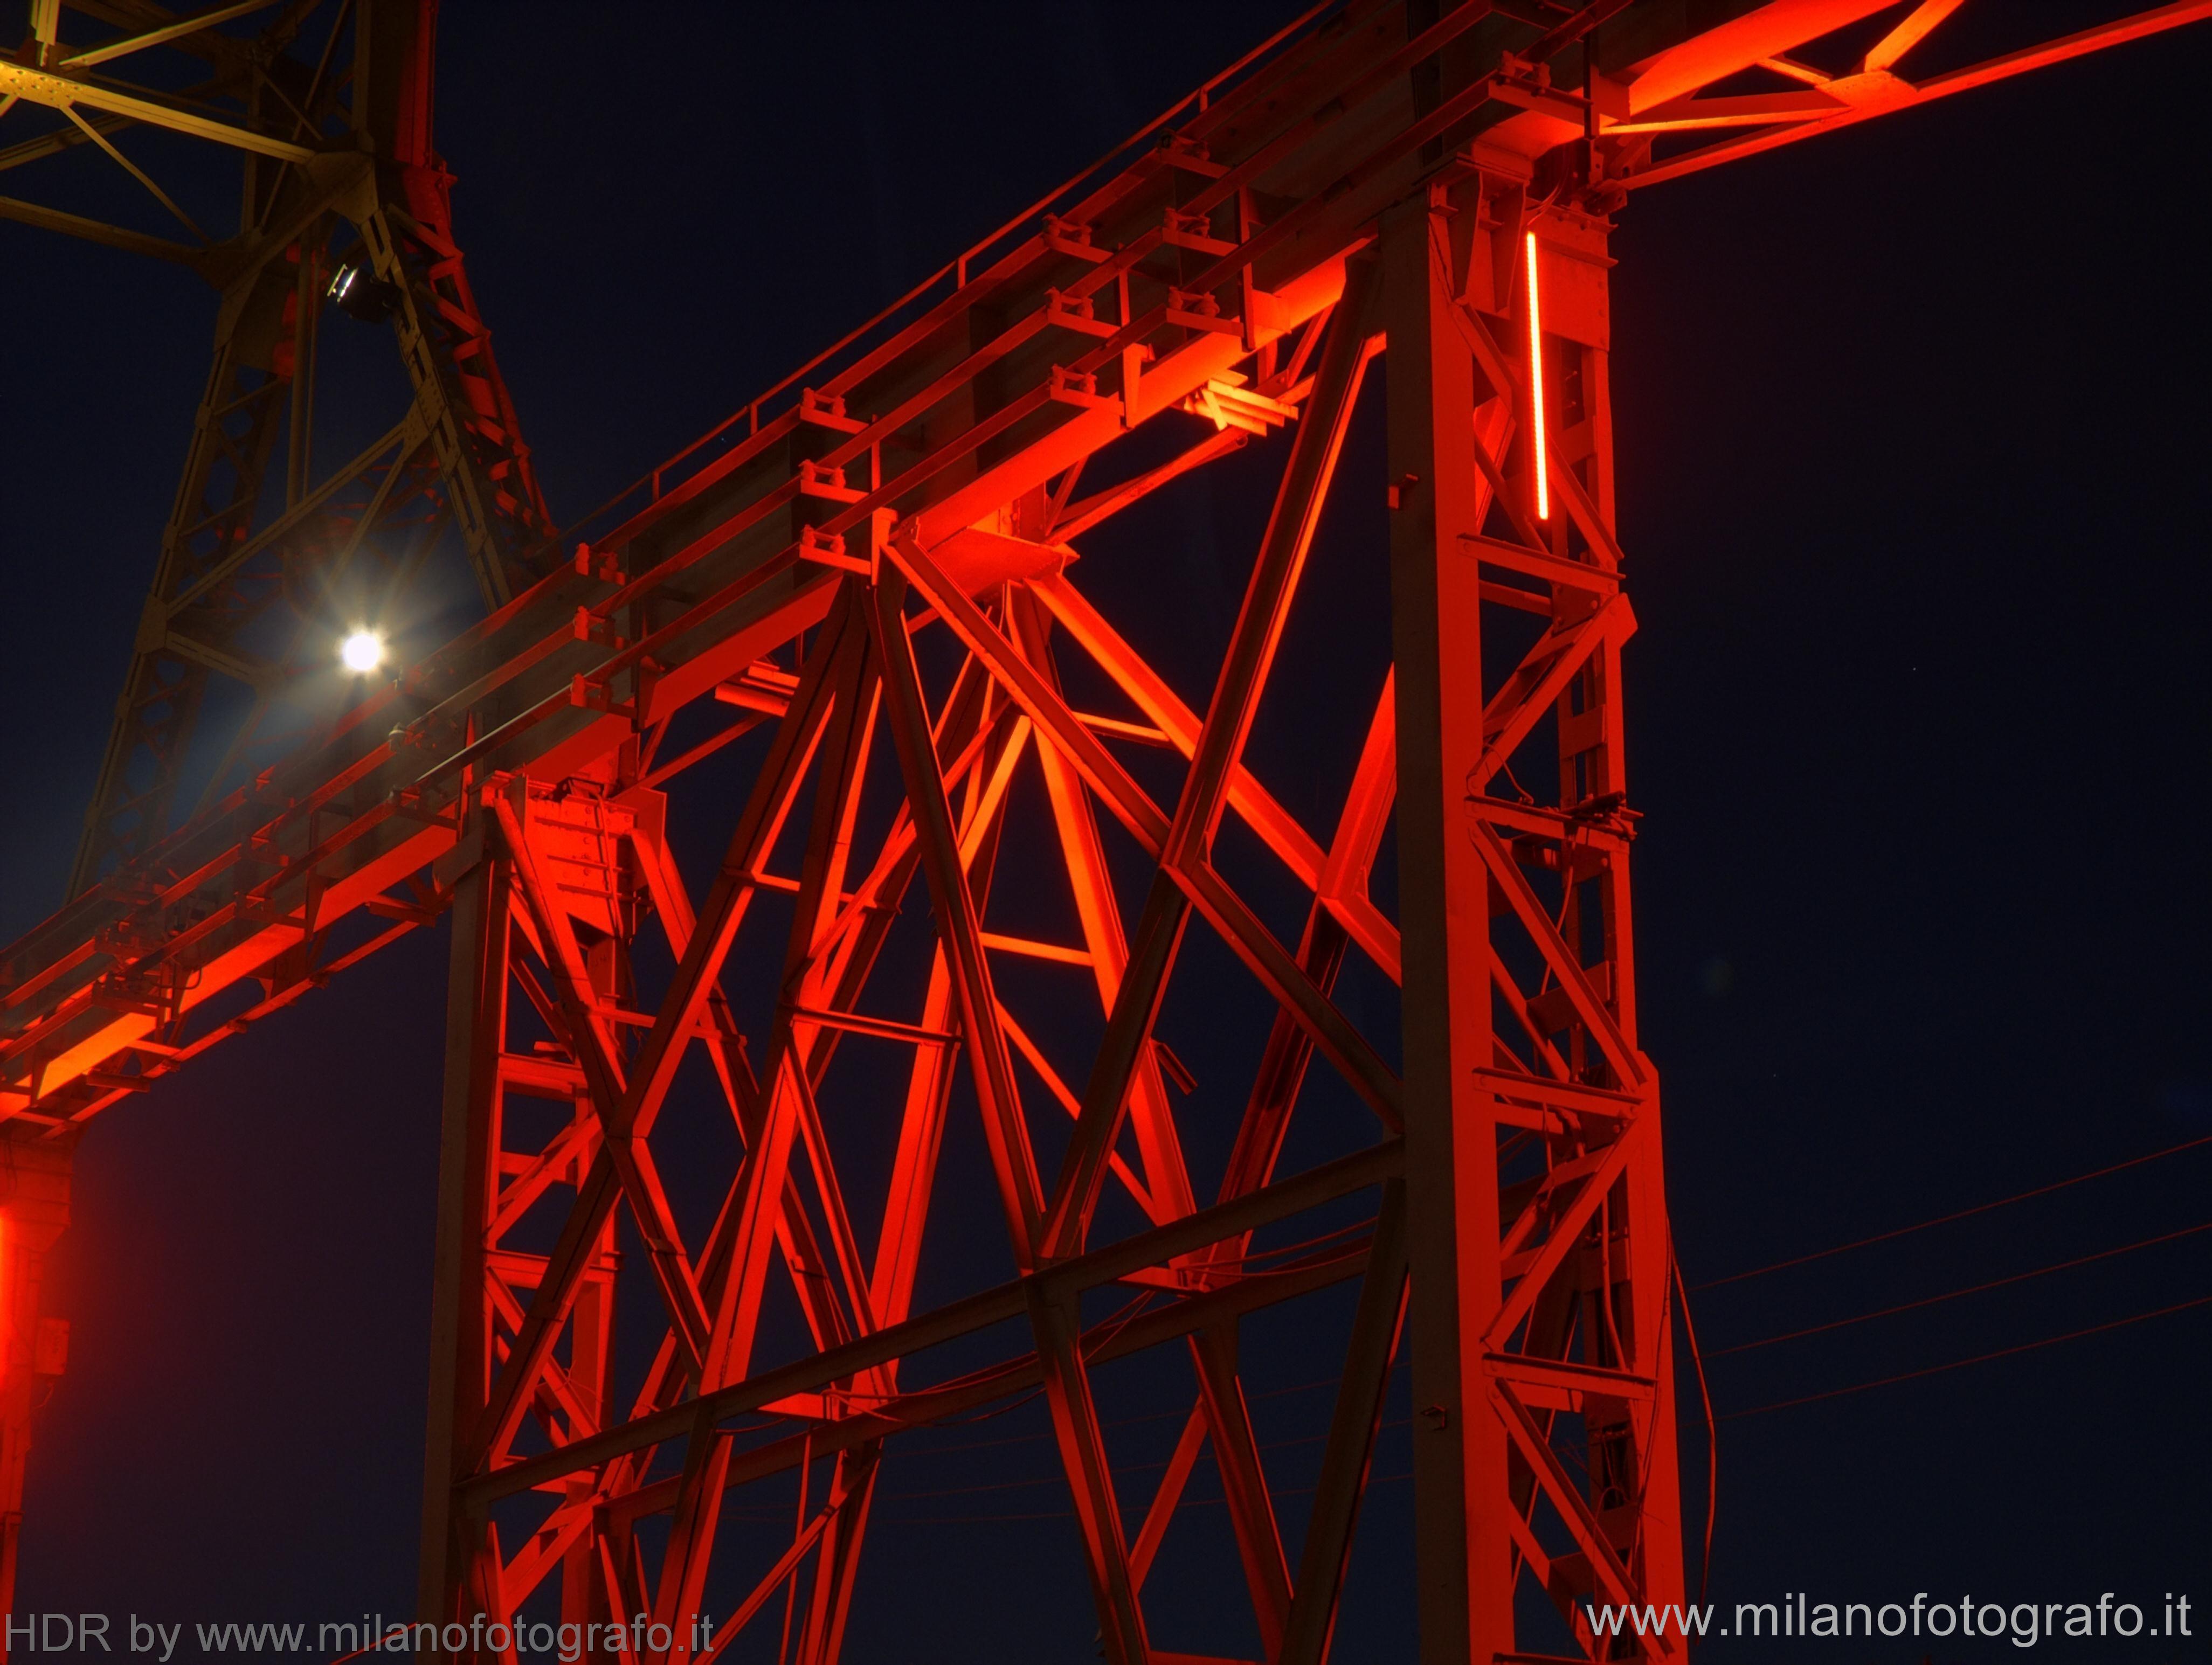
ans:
(1520, 994)
(980, 394)
(1354, 193)
(1520, 1209)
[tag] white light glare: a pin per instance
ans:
(363, 651)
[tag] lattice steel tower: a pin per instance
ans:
(869, 574)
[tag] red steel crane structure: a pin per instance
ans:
(871, 573)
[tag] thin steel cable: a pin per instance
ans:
(1978, 1358)
(1711, 1419)
(1712, 1428)
(1731, 1416)
(1971, 1289)
(1962, 1214)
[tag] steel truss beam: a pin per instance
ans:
(877, 566)
(720, 548)
(1531, 1216)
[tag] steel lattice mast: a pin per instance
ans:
(873, 569)
(333, 132)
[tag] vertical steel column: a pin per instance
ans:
(592, 1379)
(1632, 1265)
(1542, 1375)
(460, 1322)
(1452, 1158)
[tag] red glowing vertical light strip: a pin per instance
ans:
(1536, 388)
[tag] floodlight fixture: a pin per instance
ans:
(360, 294)
(362, 652)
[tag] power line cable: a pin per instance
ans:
(1731, 1416)
(1954, 1294)
(1685, 1290)
(1962, 1214)
(1960, 1364)
(1712, 1429)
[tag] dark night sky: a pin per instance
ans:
(1911, 458)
